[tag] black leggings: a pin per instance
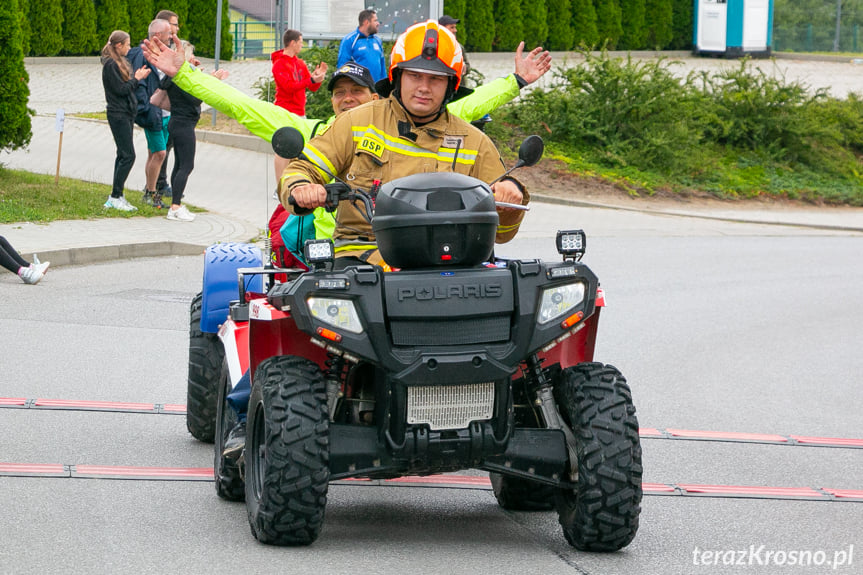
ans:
(183, 133)
(9, 258)
(121, 129)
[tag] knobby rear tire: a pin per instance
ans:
(205, 364)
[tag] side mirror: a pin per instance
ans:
(530, 151)
(288, 142)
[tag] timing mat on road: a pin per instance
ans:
(58, 470)
(644, 432)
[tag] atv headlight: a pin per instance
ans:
(558, 300)
(339, 313)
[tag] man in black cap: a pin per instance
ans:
(451, 24)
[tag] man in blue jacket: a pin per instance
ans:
(364, 46)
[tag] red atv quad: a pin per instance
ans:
(455, 361)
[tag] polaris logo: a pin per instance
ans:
(462, 291)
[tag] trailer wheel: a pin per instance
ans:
(602, 513)
(287, 452)
(229, 479)
(205, 363)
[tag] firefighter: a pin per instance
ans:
(408, 132)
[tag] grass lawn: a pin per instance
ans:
(28, 197)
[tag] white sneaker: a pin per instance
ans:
(42, 267)
(120, 203)
(30, 275)
(181, 214)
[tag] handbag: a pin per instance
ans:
(160, 99)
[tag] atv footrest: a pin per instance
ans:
(355, 450)
(535, 454)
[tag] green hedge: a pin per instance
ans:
(15, 129)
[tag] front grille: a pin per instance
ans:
(450, 331)
(450, 406)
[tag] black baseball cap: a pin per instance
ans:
(357, 73)
(447, 20)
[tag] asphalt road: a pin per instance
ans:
(717, 326)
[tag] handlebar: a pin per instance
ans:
(338, 192)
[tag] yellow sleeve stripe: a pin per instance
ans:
(504, 229)
(325, 168)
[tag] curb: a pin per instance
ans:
(654, 212)
(101, 254)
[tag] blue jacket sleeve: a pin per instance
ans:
(344, 50)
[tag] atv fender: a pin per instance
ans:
(221, 262)
(235, 341)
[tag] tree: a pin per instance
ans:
(111, 15)
(658, 20)
(79, 27)
(608, 24)
(534, 15)
(15, 128)
(559, 29)
(200, 29)
(141, 13)
(584, 32)
(181, 9)
(457, 9)
(46, 27)
(24, 19)
(508, 29)
(479, 24)
(682, 22)
(632, 25)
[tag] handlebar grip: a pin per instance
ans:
(298, 210)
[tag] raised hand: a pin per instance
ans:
(141, 73)
(532, 66)
(164, 58)
(319, 72)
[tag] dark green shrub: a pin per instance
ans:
(658, 17)
(457, 9)
(560, 35)
(623, 112)
(508, 29)
(632, 23)
(479, 26)
(79, 28)
(200, 29)
(141, 13)
(584, 31)
(15, 127)
(755, 111)
(111, 15)
(24, 19)
(535, 16)
(681, 25)
(46, 27)
(608, 18)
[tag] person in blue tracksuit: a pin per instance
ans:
(364, 46)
